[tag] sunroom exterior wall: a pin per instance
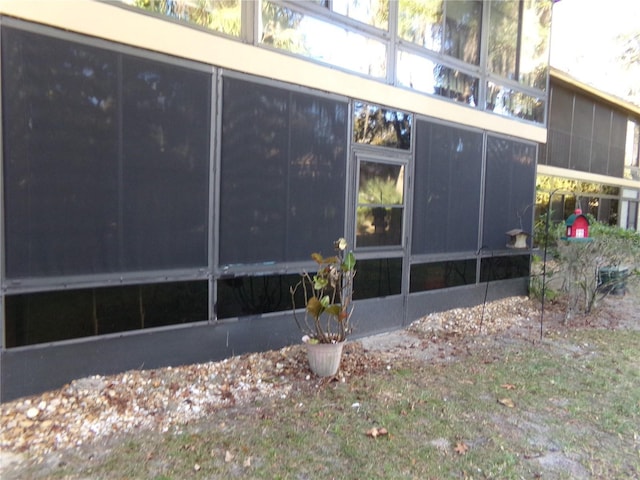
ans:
(308, 109)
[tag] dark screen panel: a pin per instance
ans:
(509, 190)
(60, 156)
(583, 117)
(283, 164)
(601, 139)
(166, 131)
(559, 148)
(447, 189)
(582, 136)
(317, 174)
(616, 147)
(95, 184)
(255, 135)
(561, 109)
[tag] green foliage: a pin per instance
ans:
(575, 269)
(327, 296)
(219, 15)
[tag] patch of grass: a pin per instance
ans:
(576, 405)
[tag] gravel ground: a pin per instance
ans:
(96, 408)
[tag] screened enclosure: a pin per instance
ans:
(157, 210)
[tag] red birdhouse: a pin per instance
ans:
(577, 225)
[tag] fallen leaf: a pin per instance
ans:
(508, 386)
(196, 467)
(247, 462)
(377, 432)
(507, 402)
(461, 448)
(228, 456)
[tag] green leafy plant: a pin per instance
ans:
(576, 270)
(328, 296)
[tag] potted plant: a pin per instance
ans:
(327, 297)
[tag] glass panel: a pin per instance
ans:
(503, 38)
(380, 204)
(462, 30)
(219, 15)
(446, 207)
(165, 173)
(52, 316)
(284, 170)
(535, 41)
(295, 32)
(375, 125)
(254, 295)
(504, 268)
(377, 278)
(372, 12)
(427, 76)
(421, 22)
(632, 145)
(60, 156)
(509, 190)
(432, 276)
(511, 103)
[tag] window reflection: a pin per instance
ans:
(462, 30)
(452, 28)
(380, 204)
(376, 125)
(371, 12)
(302, 34)
(432, 276)
(420, 22)
(219, 15)
(534, 54)
(254, 295)
(377, 278)
(427, 76)
(511, 103)
(529, 65)
(44, 317)
(503, 38)
(504, 268)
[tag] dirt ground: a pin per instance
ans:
(39, 430)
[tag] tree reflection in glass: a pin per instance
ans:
(376, 125)
(321, 40)
(380, 204)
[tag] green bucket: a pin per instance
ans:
(613, 280)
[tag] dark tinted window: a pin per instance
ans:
(509, 190)
(254, 295)
(283, 171)
(377, 278)
(504, 268)
(52, 316)
(432, 276)
(93, 183)
(447, 189)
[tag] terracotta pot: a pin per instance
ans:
(324, 358)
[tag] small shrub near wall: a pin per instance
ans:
(575, 271)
